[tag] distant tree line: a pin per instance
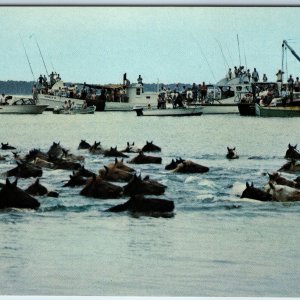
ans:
(25, 87)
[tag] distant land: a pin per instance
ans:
(25, 87)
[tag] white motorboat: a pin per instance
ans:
(169, 112)
(77, 109)
(22, 106)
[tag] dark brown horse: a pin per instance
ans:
(98, 188)
(25, 170)
(113, 152)
(189, 166)
(292, 152)
(231, 153)
(141, 158)
(145, 186)
(150, 147)
(83, 145)
(36, 189)
(139, 203)
(13, 197)
(7, 147)
(254, 193)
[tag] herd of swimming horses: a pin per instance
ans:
(142, 192)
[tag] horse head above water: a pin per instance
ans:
(131, 148)
(13, 197)
(231, 153)
(84, 145)
(150, 147)
(7, 147)
(174, 163)
(96, 148)
(145, 186)
(292, 152)
(290, 167)
(114, 153)
(254, 193)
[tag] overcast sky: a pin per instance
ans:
(169, 44)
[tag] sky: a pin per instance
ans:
(166, 44)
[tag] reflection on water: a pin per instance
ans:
(215, 245)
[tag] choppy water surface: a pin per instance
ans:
(71, 246)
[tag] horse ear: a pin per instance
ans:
(14, 184)
(295, 146)
(252, 185)
(247, 184)
(127, 144)
(37, 181)
(106, 169)
(151, 142)
(7, 180)
(271, 185)
(227, 148)
(116, 160)
(233, 148)
(122, 160)
(289, 145)
(133, 144)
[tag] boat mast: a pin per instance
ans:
(41, 55)
(27, 58)
(237, 36)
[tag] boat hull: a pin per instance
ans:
(22, 109)
(277, 111)
(220, 108)
(247, 109)
(170, 112)
(57, 101)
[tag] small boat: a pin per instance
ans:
(169, 112)
(22, 106)
(77, 109)
(277, 111)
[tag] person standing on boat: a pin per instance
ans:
(195, 92)
(2, 99)
(255, 76)
(203, 92)
(290, 82)
(265, 78)
(52, 81)
(297, 85)
(41, 79)
(229, 75)
(140, 80)
(279, 75)
(236, 72)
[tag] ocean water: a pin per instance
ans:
(72, 246)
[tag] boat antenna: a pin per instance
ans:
(40, 53)
(238, 41)
(282, 57)
(225, 61)
(34, 78)
(194, 39)
(245, 55)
